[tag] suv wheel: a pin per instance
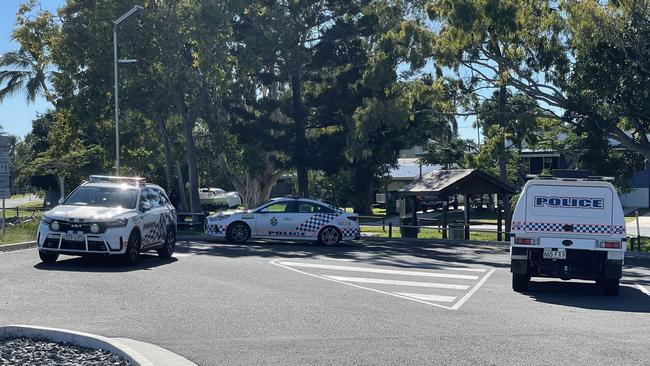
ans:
(238, 232)
(132, 254)
(47, 257)
(520, 282)
(170, 243)
(610, 286)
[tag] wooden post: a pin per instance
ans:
(467, 200)
(390, 229)
(445, 208)
(499, 221)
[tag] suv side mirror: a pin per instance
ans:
(146, 206)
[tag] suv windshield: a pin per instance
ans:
(103, 197)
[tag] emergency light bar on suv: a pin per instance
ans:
(113, 179)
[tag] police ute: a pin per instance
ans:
(115, 216)
(288, 218)
(568, 228)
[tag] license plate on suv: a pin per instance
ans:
(73, 237)
(558, 253)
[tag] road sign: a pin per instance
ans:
(5, 193)
(5, 184)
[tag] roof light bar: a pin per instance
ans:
(113, 179)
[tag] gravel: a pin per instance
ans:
(37, 352)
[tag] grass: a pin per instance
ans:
(19, 233)
(645, 244)
(425, 233)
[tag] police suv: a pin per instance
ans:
(568, 228)
(119, 216)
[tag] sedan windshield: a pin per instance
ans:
(103, 197)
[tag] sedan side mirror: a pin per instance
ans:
(146, 206)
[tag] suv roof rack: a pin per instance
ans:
(114, 179)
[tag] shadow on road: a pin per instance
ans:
(589, 296)
(104, 264)
(398, 253)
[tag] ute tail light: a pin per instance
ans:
(610, 244)
(525, 241)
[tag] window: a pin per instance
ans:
(163, 198)
(103, 197)
(278, 207)
(309, 207)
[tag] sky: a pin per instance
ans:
(16, 114)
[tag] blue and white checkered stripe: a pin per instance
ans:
(559, 228)
(316, 222)
(215, 229)
(350, 233)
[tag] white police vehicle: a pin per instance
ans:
(111, 216)
(568, 228)
(286, 218)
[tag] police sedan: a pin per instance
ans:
(286, 218)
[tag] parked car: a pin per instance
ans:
(287, 219)
(115, 216)
(214, 198)
(570, 229)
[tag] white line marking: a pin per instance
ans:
(643, 289)
(273, 262)
(426, 297)
(380, 281)
(472, 291)
(377, 270)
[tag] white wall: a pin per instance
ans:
(637, 197)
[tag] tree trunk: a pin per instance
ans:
(181, 186)
(192, 170)
(300, 152)
(364, 187)
(164, 136)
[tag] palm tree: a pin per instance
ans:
(22, 71)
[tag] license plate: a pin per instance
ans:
(73, 237)
(559, 253)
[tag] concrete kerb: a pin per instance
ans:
(17, 246)
(88, 340)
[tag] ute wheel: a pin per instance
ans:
(132, 254)
(610, 286)
(329, 235)
(520, 282)
(47, 257)
(238, 232)
(170, 244)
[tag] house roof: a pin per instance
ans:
(443, 183)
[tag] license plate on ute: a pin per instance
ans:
(555, 254)
(73, 237)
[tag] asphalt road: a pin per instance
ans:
(373, 302)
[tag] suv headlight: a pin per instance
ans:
(116, 223)
(46, 220)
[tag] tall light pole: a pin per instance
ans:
(134, 10)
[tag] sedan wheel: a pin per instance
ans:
(329, 236)
(238, 232)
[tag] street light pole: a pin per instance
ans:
(134, 10)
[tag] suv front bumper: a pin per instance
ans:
(112, 242)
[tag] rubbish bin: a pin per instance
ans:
(456, 231)
(408, 232)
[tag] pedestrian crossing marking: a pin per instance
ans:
(377, 270)
(451, 296)
(380, 281)
(427, 297)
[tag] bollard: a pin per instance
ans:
(638, 231)
(390, 229)
(383, 224)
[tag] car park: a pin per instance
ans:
(286, 218)
(113, 216)
(568, 228)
